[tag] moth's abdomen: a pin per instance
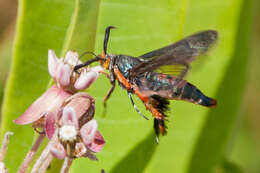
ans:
(172, 88)
(192, 94)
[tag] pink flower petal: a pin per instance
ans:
(71, 58)
(52, 99)
(98, 143)
(50, 124)
(97, 68)
(80, 149)
(57, 150)
(88, 131)
(85, 79)
(52, 63)
(63, 74)
(69, 117)
(84, 106)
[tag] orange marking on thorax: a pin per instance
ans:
(122, 79)
(106, 63)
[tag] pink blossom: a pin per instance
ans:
(74, 140)
(62, 72)
(43, 113)
(45, 107)
(64, 114)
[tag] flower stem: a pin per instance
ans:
(41, 160)
(3, 151)
(31, 153)
(4, 145)
(46, 164)
(66, 165)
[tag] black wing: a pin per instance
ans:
(176, 58)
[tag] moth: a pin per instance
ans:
(157, 76)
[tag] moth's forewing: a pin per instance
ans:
(179, 54)
(200, 41)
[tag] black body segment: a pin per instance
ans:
(194, 95)
(170, 87)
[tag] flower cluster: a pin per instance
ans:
(77, 134)
(65, 114)
(45, 109)
(61, 70)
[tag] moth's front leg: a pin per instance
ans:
(113, 83)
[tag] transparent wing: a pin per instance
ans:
(175, 59)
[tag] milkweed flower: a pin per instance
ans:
(74, 133)
(45, 107)
(66, 84)
(77, 134)
(61, 70)
(65, 98)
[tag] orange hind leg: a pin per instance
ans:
(159, 124)
(148, 104)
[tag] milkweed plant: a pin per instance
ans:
(64, 114)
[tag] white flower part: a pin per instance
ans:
(52, 63)
(2, 168)
(85, 79)
(88, 131)
(80, 149)
(69, 117)
(63, 74)
(57, 150)
(68, 133)
(72, 58)
(97, 69)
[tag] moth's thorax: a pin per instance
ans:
(125, 63)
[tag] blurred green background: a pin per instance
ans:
(245, 149)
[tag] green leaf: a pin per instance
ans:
(5, 54)
(196, 136)
(228, 167)
(42, 25)
(244, 152)
(1, 92)
(155, 26)
(219, 125)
